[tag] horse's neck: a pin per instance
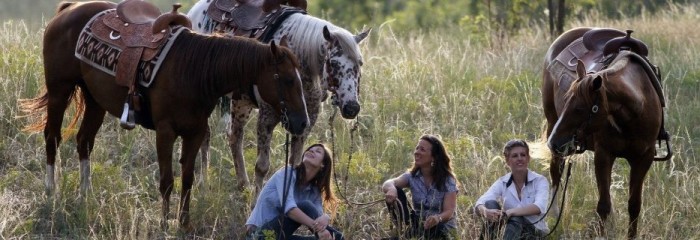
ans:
(310, 52)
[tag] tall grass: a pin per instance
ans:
(474, 95)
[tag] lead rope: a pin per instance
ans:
(563, 198)
(287, 181)
(347, 168)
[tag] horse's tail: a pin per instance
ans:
(64, 5)
(39, 105)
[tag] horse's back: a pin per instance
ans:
(61, 35)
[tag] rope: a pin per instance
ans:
(347, 168)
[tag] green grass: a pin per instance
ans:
(475, 94)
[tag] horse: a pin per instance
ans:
(612, 105)
(194, 74)
(330, 62)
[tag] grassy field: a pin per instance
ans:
(474, 94)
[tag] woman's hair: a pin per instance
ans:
(512, 144)
(322, 179)
(442, 168)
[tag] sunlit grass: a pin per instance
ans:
(474, 96)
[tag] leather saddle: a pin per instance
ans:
(139, 29)
(249, 17)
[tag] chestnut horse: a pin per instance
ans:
(197, 71)
(616, 111)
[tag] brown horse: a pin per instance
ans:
(615, 111)
(195, 73)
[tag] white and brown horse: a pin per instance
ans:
(330, 61)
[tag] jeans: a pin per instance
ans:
(516, 227)
(407, 216)
(284, 227)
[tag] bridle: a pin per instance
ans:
(580, 146)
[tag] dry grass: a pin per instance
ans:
(444, 82)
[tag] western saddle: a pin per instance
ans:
(140, 30)
(250, 18)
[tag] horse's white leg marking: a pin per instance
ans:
(84, 175)
(49, 181)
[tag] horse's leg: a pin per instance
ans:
(165, 138)
(189, 154)
(58, 100)
(603, 169)
(640, 167)
(204, 151)
(92, 120)
(299, 140)
(240, 113)
(267, 121)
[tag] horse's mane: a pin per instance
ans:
(308, 38)
(200, 60)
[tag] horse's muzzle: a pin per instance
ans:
(350, 110)
(562, 148)
(297, 123)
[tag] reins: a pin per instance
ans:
(347, 167)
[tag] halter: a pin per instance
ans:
(580, 147)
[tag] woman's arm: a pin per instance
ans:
(389, 187)
(527, 210)
(448, 209)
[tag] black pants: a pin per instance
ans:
(284, 227)
(516, 227)
(408, 217)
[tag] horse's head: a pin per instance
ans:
(584, 112)
(280, 86)
(341, 70)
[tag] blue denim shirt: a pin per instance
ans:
(428, 201)
(269, 203)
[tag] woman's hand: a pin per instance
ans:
(325, 235)
(390, 195)
(493, 215)
(432, 221)
(320, 223)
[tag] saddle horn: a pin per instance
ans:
(625, 43)
(171, 18)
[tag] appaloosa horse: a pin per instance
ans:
(330, 62)
(601, 93)
(194, 74)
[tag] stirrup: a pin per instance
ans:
(664, 136)
(126, 121)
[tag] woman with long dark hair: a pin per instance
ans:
(433, 188)
(309, 191)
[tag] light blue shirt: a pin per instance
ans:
(428, 201)
(535, 191)
(269, 203)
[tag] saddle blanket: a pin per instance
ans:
(104, 56)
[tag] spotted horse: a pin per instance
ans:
(330, 61)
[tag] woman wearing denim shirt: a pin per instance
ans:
(524, 195)
(433, 189)
(310, 192)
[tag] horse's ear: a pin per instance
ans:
(327, 34)
(597, 83)
(283, 41)
(580, 69)
(274, 49)
(362, 35)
